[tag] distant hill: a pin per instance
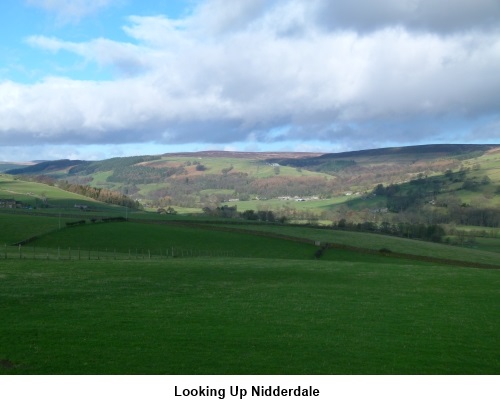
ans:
(49, 166)
(442, 150)
(244, 155)
(389, 155)
(6, 166)
(295, 182)
(329, 162)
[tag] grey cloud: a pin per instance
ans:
(221, 16)
(443, 16)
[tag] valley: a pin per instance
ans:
(394, 269)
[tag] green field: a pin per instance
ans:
(38, 195)
(109, 298)
(314, 206)
(154, 238)
(377, 242)
(247, 316)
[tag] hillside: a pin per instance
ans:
(46, 199)
(370, 185)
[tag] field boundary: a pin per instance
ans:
(20, 252)
(382, 252)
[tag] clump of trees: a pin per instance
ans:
(433, 233)
(262, 215)
(169, 211)
(100, 194)
(226, 211)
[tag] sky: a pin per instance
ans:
(93, 79)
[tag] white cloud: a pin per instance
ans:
(126, 59)
(226, 75)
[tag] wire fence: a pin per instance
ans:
(68, 253)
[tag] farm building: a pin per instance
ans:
(10, 203)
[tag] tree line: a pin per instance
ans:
(432, 232)
(226, 211)
(99, 194)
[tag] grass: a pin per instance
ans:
(31, 193)
(488, 244)
(19, 227)
(247, 316)
(127, 240)
(266, 308)
(314, 206)
(155, 238)
(377, 242)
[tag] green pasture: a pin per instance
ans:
(476, 200)
(108, 241)
(478, 242)
(31, 193)
(222, 191)
(377, 242)
(10, 186)
(100, 179)
(478, 230)
(490, 165)
(157, 238)
(246, 316)
(313, 206)
(16, 228)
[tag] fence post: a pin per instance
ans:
(20, 252)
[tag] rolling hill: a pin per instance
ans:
(302, 186)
